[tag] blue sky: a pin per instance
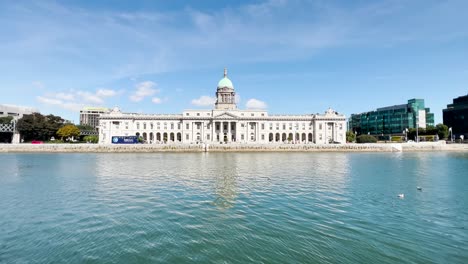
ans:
(292, 57)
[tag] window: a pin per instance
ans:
(198, 114)
(271, 126)
(151, 125)
(252, 114)
(187, 126)
(252, 126)
(341, 126)
(263, 114)
(217, 126)
(263, 126)
(263, 137)
(242, 125)
(187, 136)
(138, 125)
(208, 114)
(178, 125)
(208, 126)
(144, 125)
(187, 114)
(172, 125)
(242, 136)
(208, 137)
(198, 126)
(320, 126)
(284, 126)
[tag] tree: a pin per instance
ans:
(366, 139)
(442, 131)
(68, 131)
(91, 139)
(350, 136)
(85, 128)
(6, 119)
(38, 127)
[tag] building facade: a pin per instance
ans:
(456, 116)
(224, 124)
(16, 112)
(90, 116)
(392, 119)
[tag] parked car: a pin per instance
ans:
(36, 142)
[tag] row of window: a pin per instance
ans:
(225, 126)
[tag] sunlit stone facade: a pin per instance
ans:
(225, 124)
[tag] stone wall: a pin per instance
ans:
(110, 148)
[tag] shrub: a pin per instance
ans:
(366, 139)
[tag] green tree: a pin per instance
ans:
(350, 136)
(91, 139)
(85, 128)
(68, 131)
(366, 139)
(6, 119)
(442, 131)
(38, 127)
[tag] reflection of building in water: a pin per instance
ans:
(226, 182)
(225, 123)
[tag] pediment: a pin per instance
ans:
(226, 115)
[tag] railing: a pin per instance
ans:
(7, 127)
(89, 133)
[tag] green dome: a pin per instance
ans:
(225, 82)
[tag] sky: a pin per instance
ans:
(289, 57)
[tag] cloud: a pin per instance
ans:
(204, 101)
(65, 96)
(75, 100)
(156, 42)
(156, 100)
(105, 93)
(143, 89)
(56, 102)
(38, 85)
(255, 104)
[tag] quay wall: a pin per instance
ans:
(145, 148)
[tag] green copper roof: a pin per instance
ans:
(225, 82)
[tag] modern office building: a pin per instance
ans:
(456, 116)
(225, 123)
(392, 119)
(90, 115)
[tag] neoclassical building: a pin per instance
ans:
(224, 124)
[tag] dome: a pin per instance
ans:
(225, 82)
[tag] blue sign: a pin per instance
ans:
(124, 140)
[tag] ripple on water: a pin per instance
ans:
(234, 208)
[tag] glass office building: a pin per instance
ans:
(392, 119)
(456, 116)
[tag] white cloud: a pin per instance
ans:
(143, 89)
(255, 104)
(90, 98)
(156, 100)
(65, 96)
(106, 93)
(75, 100)
(56, 102)
(38, 85)
(204, 101)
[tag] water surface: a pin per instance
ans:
(234, 208)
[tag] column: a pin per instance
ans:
(229, 137)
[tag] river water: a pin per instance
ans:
(234, 208)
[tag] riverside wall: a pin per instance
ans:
(146, 148)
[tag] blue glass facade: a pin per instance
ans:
(392, 119)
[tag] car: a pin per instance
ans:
(37, 142)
